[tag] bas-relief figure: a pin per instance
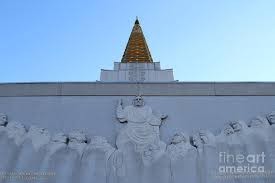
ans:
(271, 141)
(39, 137)
(239, 126)
(16, 131)
(3, 119)
(180, 146)
(77, 141)
(207, 137)
(259, 128)
(94, 162)
(141, 153)
(183, 157)
(101, 144)
(57, 142)
(10, 143)
(224, 138)
(3, 123)
(225, 135)
(142, 129)
(33, 149)
(271, 118)
(196, 141)
(240, 130)
(203, 139)
(55, 150)
(68, 160)
(207, 157)
(226, 131)
(240, 136)
(259, 122)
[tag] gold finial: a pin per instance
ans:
(137, 49)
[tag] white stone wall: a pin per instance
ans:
(147, 72)
(96, 114)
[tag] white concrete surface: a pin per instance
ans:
(96, 114)
(132, 72)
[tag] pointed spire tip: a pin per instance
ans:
(136, 49)
(136, 22)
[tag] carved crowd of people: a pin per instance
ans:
(75, 157)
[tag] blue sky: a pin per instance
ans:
(202, 40)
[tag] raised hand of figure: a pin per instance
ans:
(163, 116)
(120, 102)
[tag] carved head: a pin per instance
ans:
(207, 137)
(3, 119)
(204, 136)
(196, 141)
(17, 131)
(238, 126)
(138, 101)
(178, 138)
(60, 137)
(271, 118)
(78, 137)
(258, 121)
(228, 130)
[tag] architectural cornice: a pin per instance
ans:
(130, 89)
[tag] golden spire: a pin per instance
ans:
(137, 49)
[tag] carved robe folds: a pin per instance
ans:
(142, 128)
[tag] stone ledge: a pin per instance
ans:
(128, 89)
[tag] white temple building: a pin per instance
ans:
(139, 125)
(137, 64)
(141, 72)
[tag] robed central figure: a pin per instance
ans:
(142, 126)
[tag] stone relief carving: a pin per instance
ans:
(118, 164)
(271, 118)
(241, 133)
(260, 126)
(60, 138)
(100, 143)
(58, 141)
(3, 119)
(179, 146)
(203, 138)
(238, 126)
(207, 137)
(77, 141)
(258, 122)
(227, 130)
(142, 128)
(225, 135)
(152, 152)
(38, 136)
(3, 122)
(196, 141)
(16, 131)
